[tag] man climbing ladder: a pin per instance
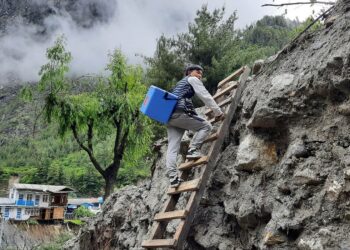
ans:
(228, 97)
(186, 118)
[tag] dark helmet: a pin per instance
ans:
(192, 67)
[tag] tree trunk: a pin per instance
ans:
(110, 177)
(110, 181)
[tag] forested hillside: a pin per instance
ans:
(33, 149)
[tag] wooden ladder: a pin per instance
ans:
(227, 96)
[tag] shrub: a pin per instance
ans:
(82, 212)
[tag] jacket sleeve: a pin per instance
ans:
(204, 95)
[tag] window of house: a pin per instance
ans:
(45, 198)
(37, 199)
(19, 213)
(20, 196)
(36, 212)
(7, 212)
(12, 195)
(32, 211)
(29, 197)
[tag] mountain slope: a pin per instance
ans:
(283, 179)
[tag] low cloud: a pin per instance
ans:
(93, 28)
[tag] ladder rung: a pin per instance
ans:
(228, 89)
(221, 104)
(213, 121)
(211, 137)
(234, 74)
(191, 164)
(159, 243)
(185, 187)
(178, 214)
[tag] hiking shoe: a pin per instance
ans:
(194, 153)
(176, 182)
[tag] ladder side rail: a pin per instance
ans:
(158, 228)
(230, 77)
(215, 149)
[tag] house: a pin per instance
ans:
(93, 204)
(42, 202)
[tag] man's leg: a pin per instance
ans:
(174, 139)
(201, 135)
(194, 123)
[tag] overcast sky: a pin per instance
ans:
(134, 29)
(251, 10)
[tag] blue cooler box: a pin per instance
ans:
(159, 104)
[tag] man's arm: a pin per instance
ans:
(204, 95)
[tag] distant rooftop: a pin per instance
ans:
(79, 201)
(44, 188)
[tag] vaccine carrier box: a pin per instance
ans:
(159, 104)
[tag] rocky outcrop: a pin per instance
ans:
(255, 153)
(282, 181)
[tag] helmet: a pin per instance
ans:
(192, 67)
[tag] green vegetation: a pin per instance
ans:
(96, 108)
(82, 212)
(75, 222)
(32, 222)
(56, 244)
(212, 42)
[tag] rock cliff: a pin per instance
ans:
(283, 177)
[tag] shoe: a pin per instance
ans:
(194, 153)
(176, 182)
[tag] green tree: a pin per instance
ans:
(270, 31)
(213, 42)
(82, 212)
(86, 183)
(55, 175)
(111, 111)
(166, 67)
(42, 173)
(208, 39)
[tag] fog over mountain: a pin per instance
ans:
(95, 27)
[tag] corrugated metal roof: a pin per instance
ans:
(44, 188)
(6, 201)
(79, 201)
